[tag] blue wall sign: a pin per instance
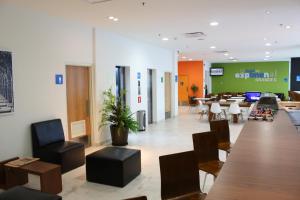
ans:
(176, 78)
(298, 78)
(139, 75)
(59, 80)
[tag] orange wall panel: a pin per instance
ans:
(194, 71)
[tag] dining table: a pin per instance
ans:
(226, 104)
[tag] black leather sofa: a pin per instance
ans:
(48, 142)
(20, 193)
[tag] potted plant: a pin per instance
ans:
(118, 117)
(195, 89)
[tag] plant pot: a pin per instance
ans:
(119, 135)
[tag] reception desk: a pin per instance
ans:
(263, 165)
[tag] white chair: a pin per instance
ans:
(224, 108)
(203, 109)
(234, 109)
(216, 110)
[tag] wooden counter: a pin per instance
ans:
(263, 165)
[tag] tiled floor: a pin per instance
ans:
(171, 136)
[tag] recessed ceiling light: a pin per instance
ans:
(267, 53)
(268, 44)
(212, 47)
(183, 57)
(190, 59)
(231, 58)
(165, 39)
(268, 12)
(111, 17)
(267, 56)
(226, 54)
(116, 19)
(214, 23)
(288, 27)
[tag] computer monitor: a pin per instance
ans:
(252, 96)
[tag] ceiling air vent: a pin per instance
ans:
(194, 35)
(97, 1)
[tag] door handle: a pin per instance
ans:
(87, 108)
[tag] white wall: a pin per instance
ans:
(42, 46)
(207, 77)
(114, 50)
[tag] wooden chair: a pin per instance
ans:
(16, 177)
(207, 154)
(138, 198)
(180, 177)
(221, 128)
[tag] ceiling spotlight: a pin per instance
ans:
(165, 39)
(288, 27)
(267, 53)
(212, 47)
(268, 44)
(190, 59)
(214, 23)
(111, 17)
(116, 19)
(268, 12)
(226, 54)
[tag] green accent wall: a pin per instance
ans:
(252, 76)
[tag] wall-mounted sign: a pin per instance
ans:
(298, 78)
(162, 79)
(139, 99)
(257, 75)
(139, 75)
(139, 87)
(176, 78)
(59, 80)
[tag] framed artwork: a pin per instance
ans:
(6, 83)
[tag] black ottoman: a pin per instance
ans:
(20, 193)
(113, 166)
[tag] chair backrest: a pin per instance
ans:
(2, 172)
(234, 108)
(215, 108)
(47, 132)
(179, 174)
(221, 128)
(206, 146)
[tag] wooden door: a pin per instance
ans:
(78, 103)
(183, 89)
(168, 95)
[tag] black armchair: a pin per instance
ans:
(48, 144)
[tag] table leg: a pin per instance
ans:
(235, 118)
(51, 181)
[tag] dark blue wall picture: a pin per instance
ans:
(6, 83)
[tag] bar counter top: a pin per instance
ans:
(264, 163)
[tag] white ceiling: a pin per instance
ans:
(243, 24)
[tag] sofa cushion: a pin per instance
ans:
(19, 192)
(47, 132)
(61, 147)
